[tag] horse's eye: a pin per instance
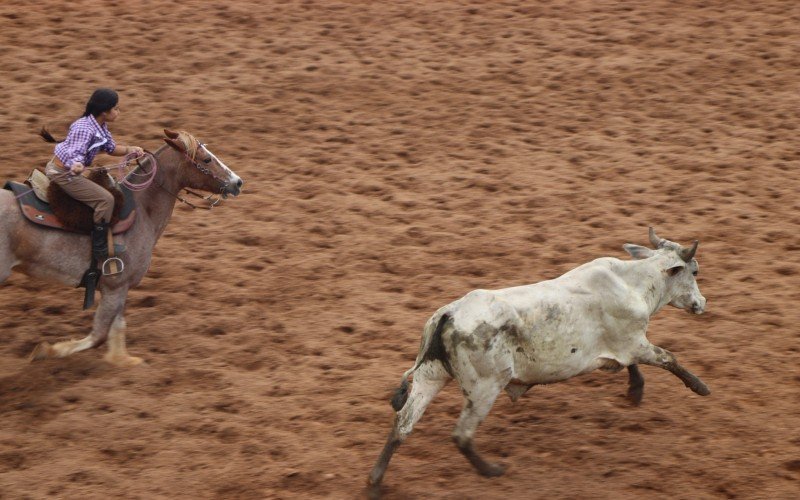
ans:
(207, 160)
(694, 273)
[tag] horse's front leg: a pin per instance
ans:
(117, 352)
(108, 320)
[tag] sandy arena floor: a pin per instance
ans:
(397, 155)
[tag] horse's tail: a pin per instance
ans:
(432, 350)
(45, 134)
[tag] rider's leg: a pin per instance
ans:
(101, 201)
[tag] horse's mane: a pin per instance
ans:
(189, 142)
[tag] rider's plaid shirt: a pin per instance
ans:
(85, 139)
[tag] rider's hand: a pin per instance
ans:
(136, 151)
(77, 168)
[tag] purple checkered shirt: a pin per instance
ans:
(85, 139)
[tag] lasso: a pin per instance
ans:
(120, 167)
(150, 176)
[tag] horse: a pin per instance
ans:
(60, 256)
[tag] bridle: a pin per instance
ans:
(212, 199)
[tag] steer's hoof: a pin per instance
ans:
(374, 491)
(491, 470)
(700, 388)
(635, 395)
(41, 351)
(696, 385)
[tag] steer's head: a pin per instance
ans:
(680, 269)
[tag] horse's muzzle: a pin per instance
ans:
(232, 188)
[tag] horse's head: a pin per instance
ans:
(204, 170)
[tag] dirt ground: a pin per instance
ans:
(397, 155)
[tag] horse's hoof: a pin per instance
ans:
(492, 470)
(41, 351)
(124, 361)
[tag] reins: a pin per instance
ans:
(213, 202)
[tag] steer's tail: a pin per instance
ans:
(432, 349)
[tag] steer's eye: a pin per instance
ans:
(694, 273)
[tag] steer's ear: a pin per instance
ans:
(638, 252)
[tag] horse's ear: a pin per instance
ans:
(175, 144)
(169, 133)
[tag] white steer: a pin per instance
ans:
(594, 316)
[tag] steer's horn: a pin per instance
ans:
(169, 133)
(687, 254)
(655, 240)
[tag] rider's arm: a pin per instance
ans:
(120, 150)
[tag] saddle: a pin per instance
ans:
(45, 203)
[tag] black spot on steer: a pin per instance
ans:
(573, 350)
(553, 313)
(436, 350)
(512, 331)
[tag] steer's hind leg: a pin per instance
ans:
(428, 380)
(662, 358)
(480, 397)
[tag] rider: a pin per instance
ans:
(87, 136)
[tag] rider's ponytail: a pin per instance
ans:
(45, 134)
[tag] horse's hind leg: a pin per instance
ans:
(9, 218)
(428, 380)
(7, 258)
(5, 269)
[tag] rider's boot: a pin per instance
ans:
(100, 241)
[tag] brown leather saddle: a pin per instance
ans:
(68, 214)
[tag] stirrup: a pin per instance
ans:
(112, 266)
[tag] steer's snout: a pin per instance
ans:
(699, 306)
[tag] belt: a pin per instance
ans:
(58, 162)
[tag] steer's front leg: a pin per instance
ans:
(635, 385)
(662, 358)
